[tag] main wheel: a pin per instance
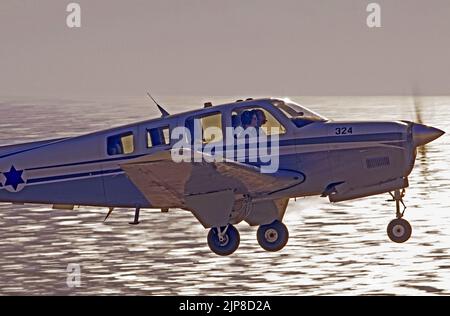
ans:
(399, 230)
(273, 237)
(228, 244)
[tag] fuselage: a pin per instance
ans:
(85, 170)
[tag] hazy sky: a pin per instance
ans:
(209, 47)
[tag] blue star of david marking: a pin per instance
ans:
(13, 177)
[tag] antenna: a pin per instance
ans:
(164, 113)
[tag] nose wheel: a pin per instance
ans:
(273, 237)
(223, 240)
(399, 230)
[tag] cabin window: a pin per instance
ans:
(158, 136)
(121, 144)
(207, 127)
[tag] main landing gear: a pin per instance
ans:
(273, 237)
(225, 240)
(399, 230)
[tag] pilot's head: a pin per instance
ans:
(247, 119)
(261, 117)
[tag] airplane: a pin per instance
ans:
(133, 166)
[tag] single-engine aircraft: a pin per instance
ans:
(135, 166)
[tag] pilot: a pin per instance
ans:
(249, 122)
(245, 119)
(260, 120)
(261, 117)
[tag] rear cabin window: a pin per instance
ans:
(209, 126)
(121, 144)
(158, 136)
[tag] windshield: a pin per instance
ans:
(295, 111)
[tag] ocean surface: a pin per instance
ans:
(334, 249)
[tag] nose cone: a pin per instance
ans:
(423, 134)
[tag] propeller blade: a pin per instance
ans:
(421, 150)
(418, 106)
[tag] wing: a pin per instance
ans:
(166, 183)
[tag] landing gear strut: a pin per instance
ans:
(399, 230)
(136, 217)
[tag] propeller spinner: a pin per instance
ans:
(423, 134)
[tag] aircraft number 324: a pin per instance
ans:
(343, 130)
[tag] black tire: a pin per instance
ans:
(272, 237)
(227, 247)
(399, 230)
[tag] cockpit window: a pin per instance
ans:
(121, 144)
(300, 115)
(257, 117)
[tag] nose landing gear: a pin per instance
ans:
(399, 230)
